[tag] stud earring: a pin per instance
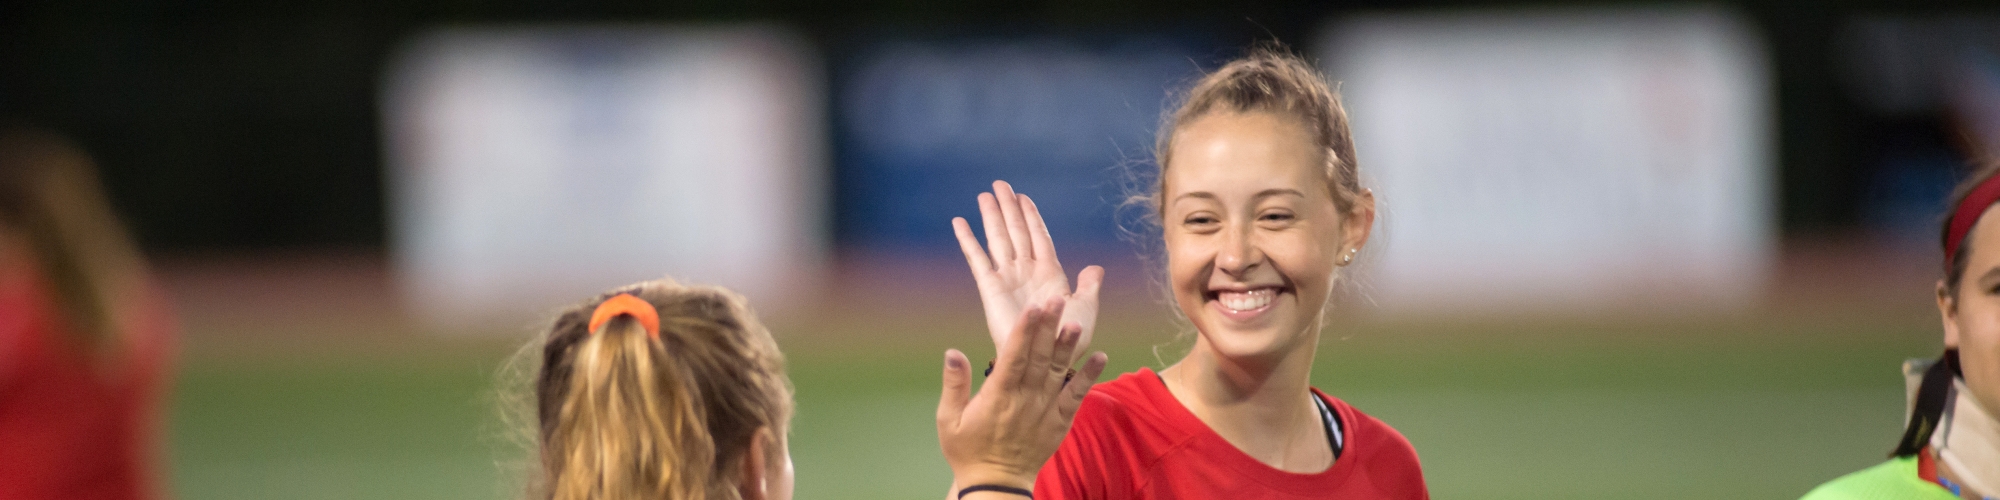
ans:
(1349, 258)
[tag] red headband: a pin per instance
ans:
(1966, 214)
(625, 304)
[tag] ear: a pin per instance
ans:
(1948, 311)
(1360, 220)
(756, 480)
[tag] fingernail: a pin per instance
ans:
(954, 363)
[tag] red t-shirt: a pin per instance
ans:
(74, 425)
(1133, 440)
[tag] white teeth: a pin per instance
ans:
(1244, 301)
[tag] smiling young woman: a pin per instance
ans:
(1260, 210)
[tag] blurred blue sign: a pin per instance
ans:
(923, 125)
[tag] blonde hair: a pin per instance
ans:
(1270, 79)
(50, 194)
(624, 416)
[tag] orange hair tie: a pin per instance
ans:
(625, 304)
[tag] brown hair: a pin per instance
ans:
(1270, 79)
(49, 192)
(1955, 269)
(624, 416)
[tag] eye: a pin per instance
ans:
(1199, 221)
(1276, 217)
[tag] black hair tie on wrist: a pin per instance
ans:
(994, 487)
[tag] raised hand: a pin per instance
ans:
(1003, 435)
(1021, 266)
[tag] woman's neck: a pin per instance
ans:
(1261, 406)
(1968, 444)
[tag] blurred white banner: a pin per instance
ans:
(1562, 161)
(533, 167)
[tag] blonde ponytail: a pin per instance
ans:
(628, 428)
(626, 416)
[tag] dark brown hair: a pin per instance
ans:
(623, 415)
(1955, 267)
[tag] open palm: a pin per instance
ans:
(1018, 266)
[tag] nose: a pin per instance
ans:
(1238, 254)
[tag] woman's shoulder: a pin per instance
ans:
(1895, 479)
(1384, 447)
(1366, 428)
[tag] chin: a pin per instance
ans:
(1245, 346)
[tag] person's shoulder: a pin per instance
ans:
(1382, 453)
(1373, 436)
(1895, 479)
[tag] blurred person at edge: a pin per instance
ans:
(85, 334)
(664, 391)
(1951, 443)
(1260, 208)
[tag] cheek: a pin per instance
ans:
(1979, 356)
(1305, 260)
(1186, 263)
(1978, 324)
(1979, 341)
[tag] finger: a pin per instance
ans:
(1041, 360)
(1017, 228)
(957, 390)
(1012, 359)
(996, 228)
(1067, 338)
(1059, 358)
(974, 255)
(1079, 386)
(1038, 232)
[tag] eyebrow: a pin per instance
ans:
(1260, 195)
(1990, 276)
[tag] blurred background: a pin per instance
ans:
(1629, 250)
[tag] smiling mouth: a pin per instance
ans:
(1245, 300)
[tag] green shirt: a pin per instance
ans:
(1895, 479)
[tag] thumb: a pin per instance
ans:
(957, 390)
(1088, 282)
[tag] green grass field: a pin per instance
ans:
(1665, 408)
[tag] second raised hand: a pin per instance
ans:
(1018, 265)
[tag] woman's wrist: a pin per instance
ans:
(991, 492)
(991, 477)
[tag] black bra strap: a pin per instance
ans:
(1336, 437)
